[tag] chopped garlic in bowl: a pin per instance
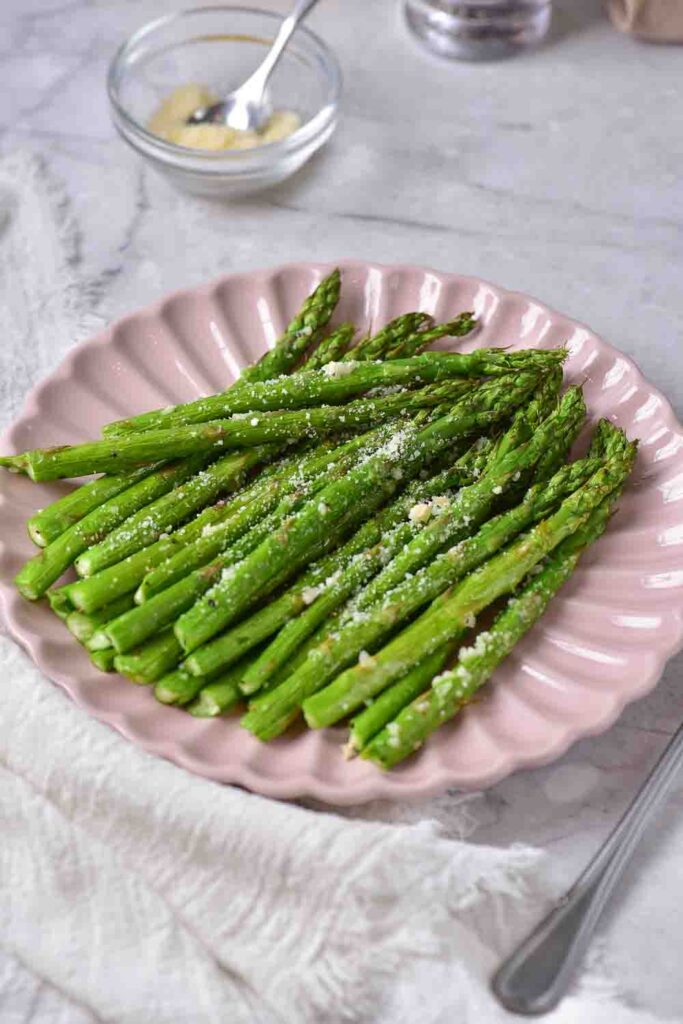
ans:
(170, 123)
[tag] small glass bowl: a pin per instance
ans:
(219, 47)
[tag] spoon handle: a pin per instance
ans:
(537, 975)
(265, 69)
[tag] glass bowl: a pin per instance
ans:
(219, 47)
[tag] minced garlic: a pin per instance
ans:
(170, 123)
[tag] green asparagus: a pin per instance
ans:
(385, 707)
(41, 571)
(331, 348)
(159, 517)
(374, 481)
(218, 435)
(334, 384)
(365, 630)
(152, 660)
(475, 503)
(50, 522)
(440, 624)
(327, 576)
(301, 334)
(455, 688)
(284, 492)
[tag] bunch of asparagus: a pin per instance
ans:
(320, 538)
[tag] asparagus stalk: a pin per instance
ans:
(443, 622)
(217, 698)
(84, 626)
(391, 337)
(144, 620)
(106, 585)
(324, 578)
(151, 661)
(385, 707)
(331, 348)
(302, 332)
(178, 687)
(103, 660)
(221, 695)
(364, 631)
(50, 522)
(334, 384)
(450, 691)
(372, 482)
(417, 342)
(285, 492)
(41, 571)
(218, 435)
(148, 524)
(60, 604)
(475, 503)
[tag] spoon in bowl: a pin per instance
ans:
(248, 108)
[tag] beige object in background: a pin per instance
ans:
(659, 21)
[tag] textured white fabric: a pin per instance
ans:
(131, 891)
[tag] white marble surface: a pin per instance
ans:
(558, 173)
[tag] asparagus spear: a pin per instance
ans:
(83, 626)
(387, 705)
(475, 503)
(218, 435)
(104, 586)
(178, 687)
(60, 604)
(151, 661)
(391, 337)
(417, 342)
(301, 333)
(440, 624)
(159, 517)
(219, 696)
(41, 571)
(455, 688)
(373, 481)
(324, 578)
(144, 620)
(331, 348)
(50, 522)
(364, 631)
(103, 660)
(306, 475)
(334, 384)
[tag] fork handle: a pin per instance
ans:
(265, 69)
(537, 975)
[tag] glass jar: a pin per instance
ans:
(478, 29)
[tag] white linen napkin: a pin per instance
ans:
(134, 892)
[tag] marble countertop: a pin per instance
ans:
(557, 173)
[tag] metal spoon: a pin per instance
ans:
(537, 975)
(248, 108)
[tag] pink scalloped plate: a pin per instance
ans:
(603, 642)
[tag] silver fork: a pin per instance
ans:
(534, 979)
